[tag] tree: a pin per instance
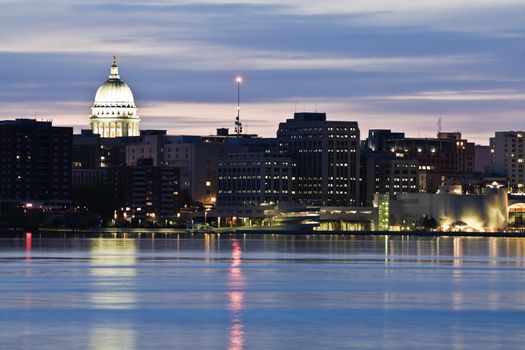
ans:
(429, 223)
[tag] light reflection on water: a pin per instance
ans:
(242, 292)
(112, 267)
(236, 298)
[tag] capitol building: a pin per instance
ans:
(114, 113)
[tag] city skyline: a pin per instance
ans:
(399, 66)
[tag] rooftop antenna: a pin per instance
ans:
(238, 124)
(439, 123)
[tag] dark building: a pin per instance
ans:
(197, 158)
(254, 179)
(325, 159)
(35, 163)
(145, 192)
(482, 159)
(377, 138)
(384, 174)
(86, 150)
(90, 151)
(441, 158)
(447, 153)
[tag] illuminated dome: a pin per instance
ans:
(114, 92)
(114, 113)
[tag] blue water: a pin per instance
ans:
(260, 292)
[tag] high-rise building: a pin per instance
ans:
(325, 159)
(35, 163)
(114, 113)
(508, 154)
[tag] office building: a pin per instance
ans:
(325, 159)
(254, 179)
(35, 163)
(145, 193)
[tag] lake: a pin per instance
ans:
(169, 291)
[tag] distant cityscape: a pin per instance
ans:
(315, 175)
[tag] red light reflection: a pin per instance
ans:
(29, 237)
(236, 298)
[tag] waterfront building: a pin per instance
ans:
(145, 193)
(438, 157)
(196, 157)
(508, 154)
(35, 163)
(254, 179)
(114, 113)
(451, 209)
(296, 217)
(325, 159)
(449, 152)
(382, 173)
(250, 182)
(517, 212)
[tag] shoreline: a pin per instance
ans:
(230, 231)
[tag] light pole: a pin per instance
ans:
(238, 124)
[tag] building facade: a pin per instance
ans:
(35, 162)
(507, 156)
(446, 153)
(390, 175)
(254, 179)
(325, 159)
(196, 157)
(452, 210)
(145, 193)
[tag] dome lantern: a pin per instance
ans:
(113, 73)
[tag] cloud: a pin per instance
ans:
(384, 63)
(450, 96)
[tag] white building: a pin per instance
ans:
(114, 113)
(508, 153)
(478, 212)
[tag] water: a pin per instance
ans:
(260, 292)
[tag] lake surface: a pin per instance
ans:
(117, 291)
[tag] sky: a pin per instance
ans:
(398, 65)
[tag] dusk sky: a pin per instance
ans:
(387, 64)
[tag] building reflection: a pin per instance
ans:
(112, 268)
(236, 282)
